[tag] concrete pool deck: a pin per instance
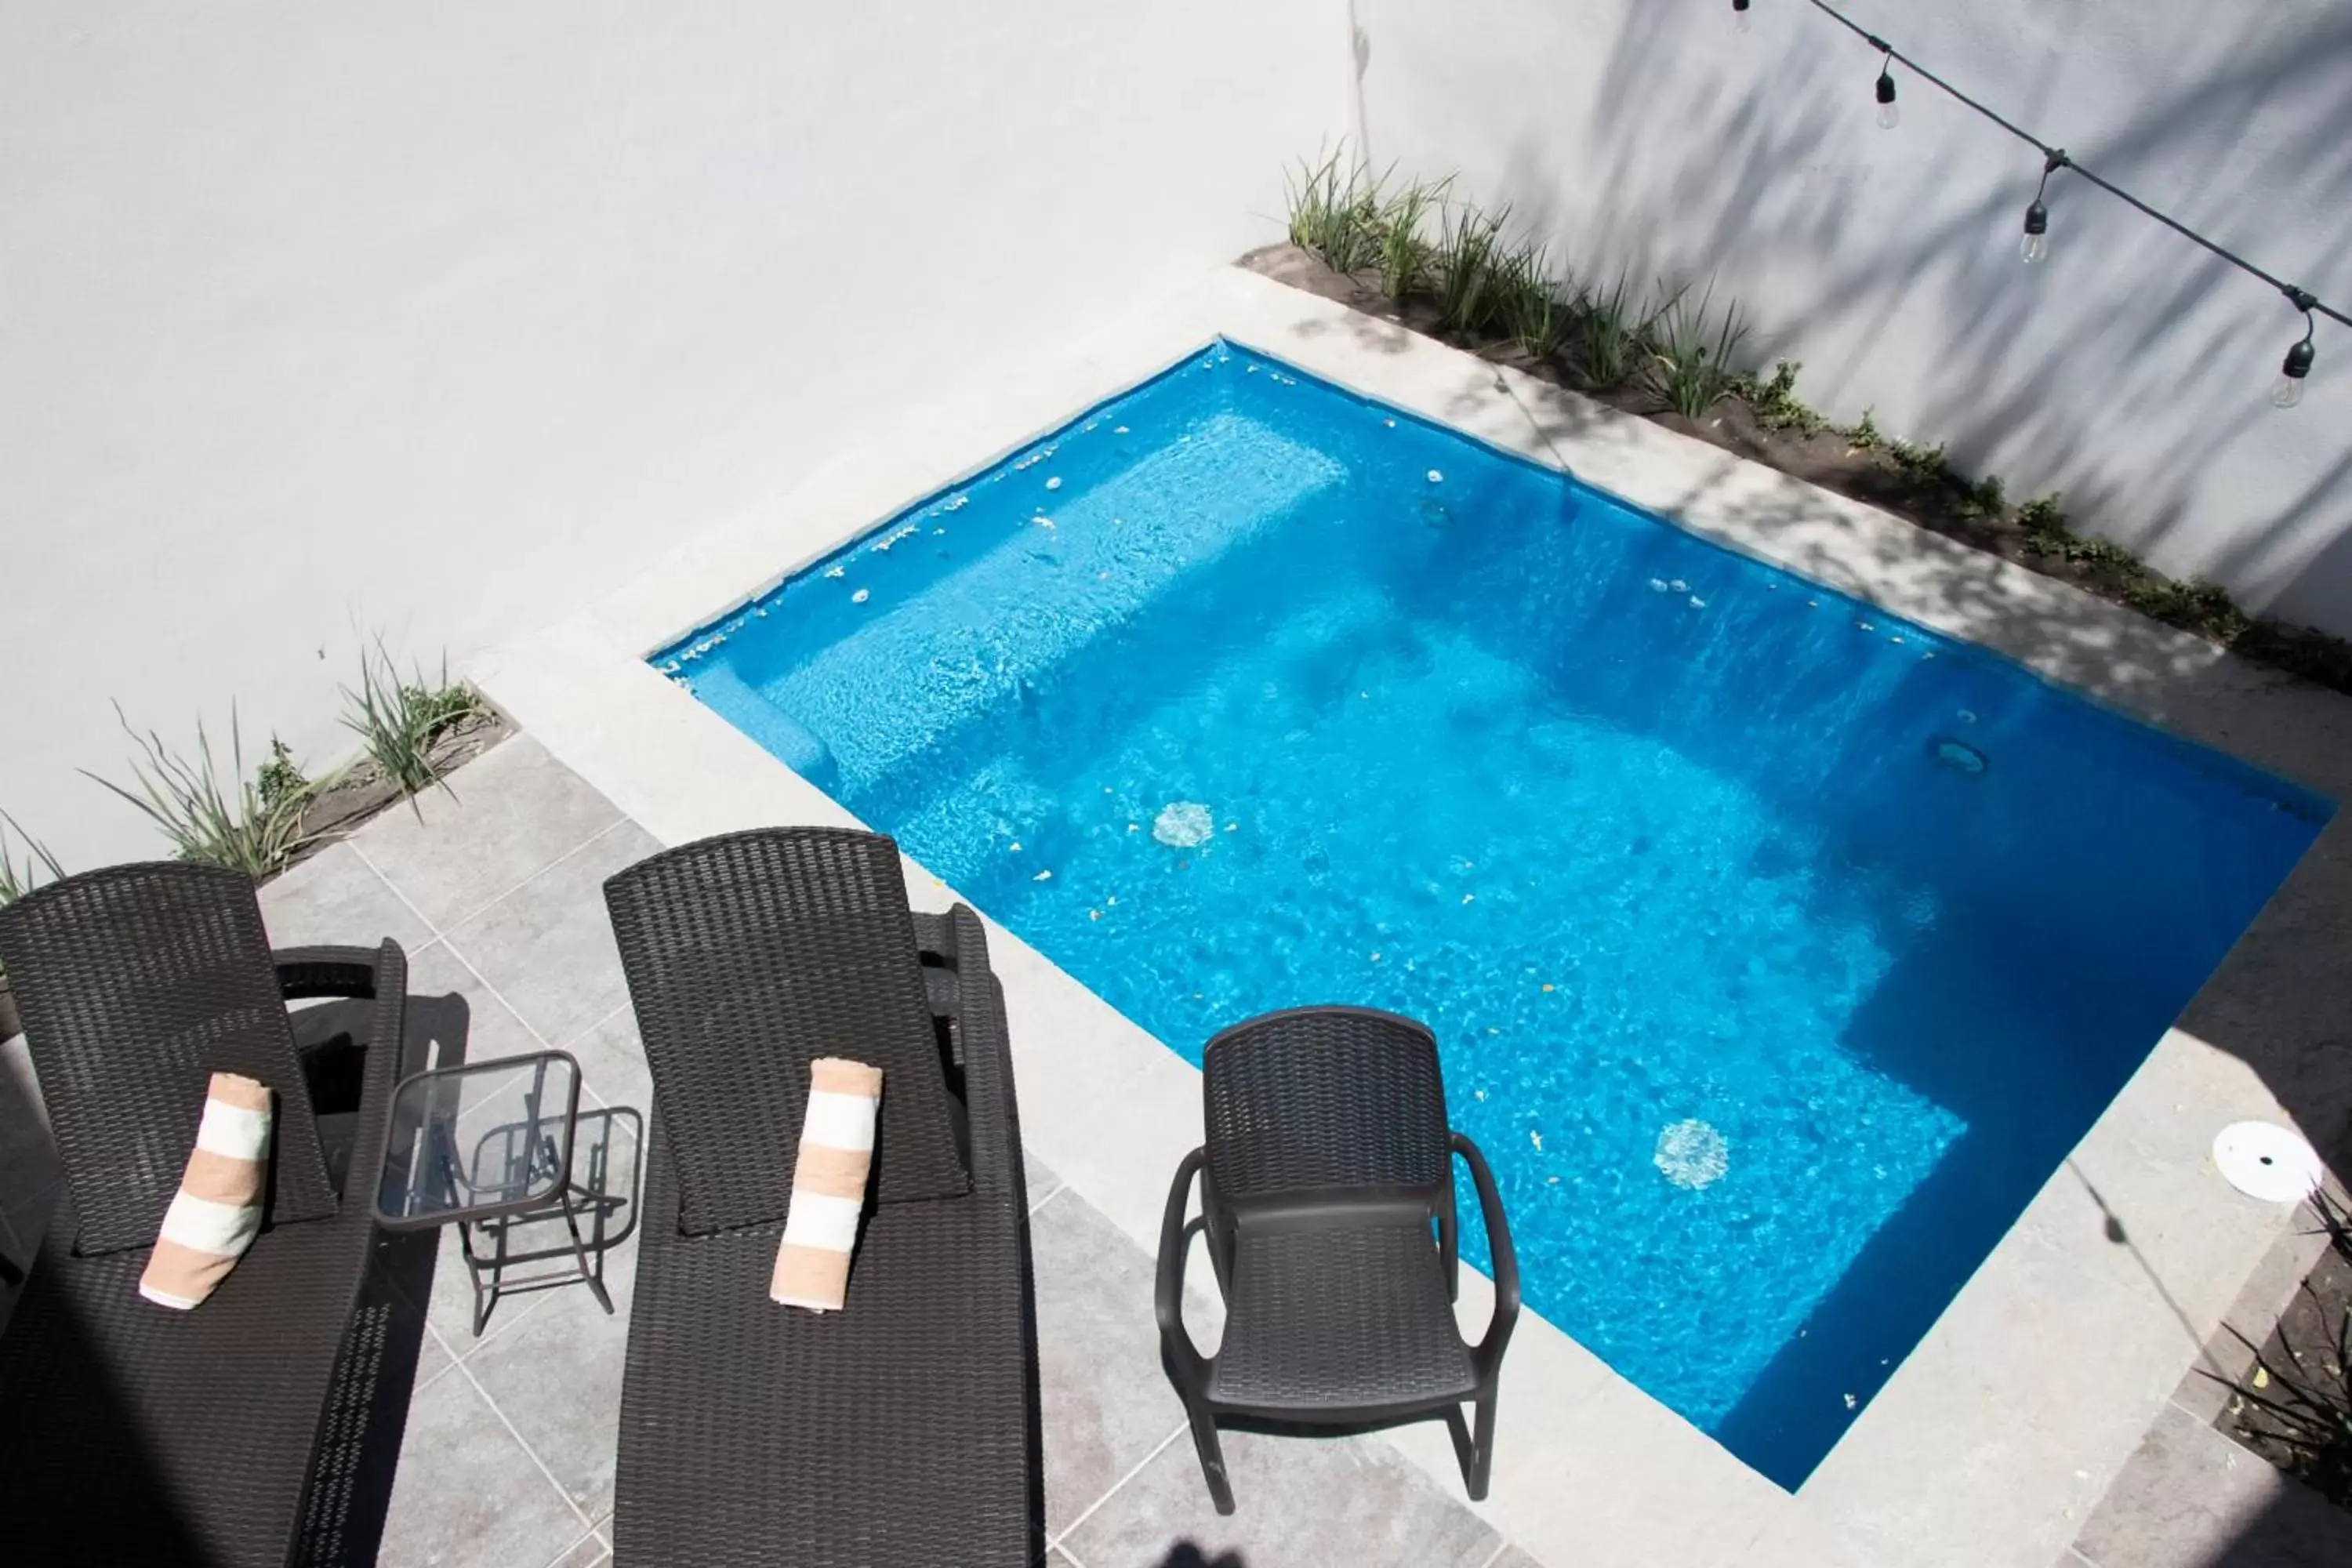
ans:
(1997, 1437)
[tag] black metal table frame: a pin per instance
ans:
(568, 1198)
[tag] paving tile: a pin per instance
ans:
(2276, 1280)
(491, 1028)
(450, 1307)
(2033, 1453)
(2190, 1497)
(612, 1060)
(548, 945)
(467, 1495)
(556, 1377)
(1805, 1538)
(433, 1358)
(1105, 1400)
(2139, 1200)
(29, 1166)
(1037, 1179)
(590, 1550)
(1597, 1474)
(335, 898)
(1512, 1557)
(504, 817)
(1302, 1502)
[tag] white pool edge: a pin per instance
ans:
(1995, 1437)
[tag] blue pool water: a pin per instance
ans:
(1778, 950)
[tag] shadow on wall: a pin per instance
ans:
(2146, 403)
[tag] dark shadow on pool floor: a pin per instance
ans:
(1958, 1037)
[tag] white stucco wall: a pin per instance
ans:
(435, 319)
(321, 319)
(2130, 369)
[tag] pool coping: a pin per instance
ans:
(2002, 1428)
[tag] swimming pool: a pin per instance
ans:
(1778, 950)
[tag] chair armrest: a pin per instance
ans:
(1489, 1348)
(387, 982)
(1184, 1363)
(939, 948)
(991, 1134)
(304, 973)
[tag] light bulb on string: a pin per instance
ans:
(1888, 114)
(2035, 246)
(1742, 20)
(2287, 391)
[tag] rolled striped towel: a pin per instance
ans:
(216, 1213)
(828, 1185)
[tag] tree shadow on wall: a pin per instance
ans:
(2045, 366)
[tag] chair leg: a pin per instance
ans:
(1213, 1456)
(1482, 1445)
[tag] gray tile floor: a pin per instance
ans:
(494, 890)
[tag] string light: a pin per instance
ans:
(2035, 244)
(2288, 391)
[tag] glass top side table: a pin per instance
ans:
(501, 1150)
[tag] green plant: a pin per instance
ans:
(2311, 654)
(207, 821)
(2042, 518)
(1777, 405)
(1402, 255)
(1919, 462)
(1335, 214)
(281, 778)
(1691, 353)
(17, 878)
(1986, 498)
(2043, 522)
(2296, 1409)
(1469, 259)
(1608, 336)
(2189, 602)
(399, 719)
(1864, 435)
(1531, 310)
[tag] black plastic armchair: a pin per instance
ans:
(1326, 1204)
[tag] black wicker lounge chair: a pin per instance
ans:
(235, 1433)
(902, 1430)
(1328, 1162)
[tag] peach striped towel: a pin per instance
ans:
(216, 1213)
(828, 1185)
